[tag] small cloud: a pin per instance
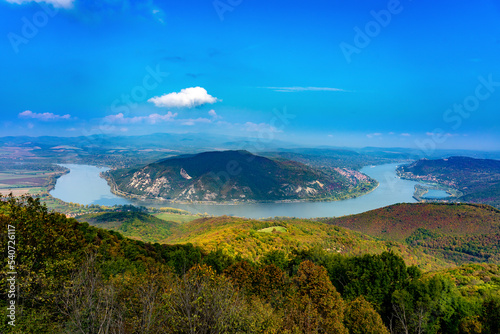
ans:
(31, 125)
(330, 135)
(213, 114)
(391, 133)
(152, 119)
(186, 98)
(55, 3)
(71, 129)
(376, 134)
(261, 127)
(47, 116)
(156, 118)
(192, 121)
(305, 89)
(406, 134)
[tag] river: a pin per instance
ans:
(84, 185)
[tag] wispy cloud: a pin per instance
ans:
(213, 114)
(186, 98)
(406, 134)
(440, 134)
(305, 89)
(152, 119)
(46, 116)
(260, 127)
(55, 3)
(159, 15)
(193, 121)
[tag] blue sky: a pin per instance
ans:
(341, 73)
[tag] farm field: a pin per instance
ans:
(21, 182)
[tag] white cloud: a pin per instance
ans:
(192, 121)
(152, 119)
(261, 127)
(441, 134)
(186, 98)
(406, 134)
(305, 89)
(376, 134)
(213, 114)
(55, 3)
(46, 116)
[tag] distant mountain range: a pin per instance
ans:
(477, 179)
(233, 176)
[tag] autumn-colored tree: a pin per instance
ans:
(471, 325)
(316, 306)
(361, 318)
(271, 284)
(242, 274)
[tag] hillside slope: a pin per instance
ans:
(253, 238)
(232, 176)
(398, 222)
(457, 233)
(134, 225)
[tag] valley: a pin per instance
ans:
(336, 216)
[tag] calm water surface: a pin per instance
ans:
(436, 194)
(83, 185)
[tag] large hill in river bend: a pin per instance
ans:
(233, 176)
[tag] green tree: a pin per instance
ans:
(491, 314)
(204, 302)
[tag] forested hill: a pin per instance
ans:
(234, 176)
(400, 221)
(477, 179)
(74, 278)
(456, 233)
